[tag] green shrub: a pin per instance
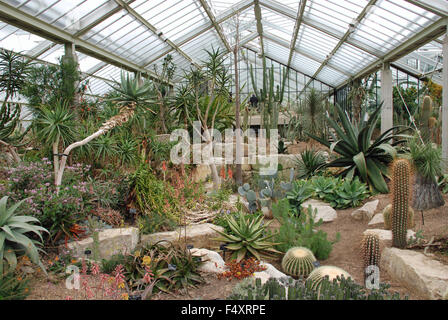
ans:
(13, 288)
(300, 231)
(309, 163)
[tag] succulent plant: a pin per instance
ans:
(318, 275)
(287, 186)
(425, 116)
(387, 215)
(371, 251)
(250, 196)
(401, 171)
(298, 261)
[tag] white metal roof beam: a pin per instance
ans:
(439, 7)
(416, 41)
(344, 38)
(235, 9)
(283, 43)
(30, 23)
(153, 29)
(218, 29)
(297, 25)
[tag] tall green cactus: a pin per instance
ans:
(269, 99)
(371, 251)
(425, 116)
(401, 172)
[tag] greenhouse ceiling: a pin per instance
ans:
(330, 41)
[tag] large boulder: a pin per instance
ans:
(270, 272)
(366, 212)
(324, 210)
(198, 235)
(377, 219)
(212, 262)
(111, 241)
(425, 275)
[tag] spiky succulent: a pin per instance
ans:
(401, 171)
(298, 261)
(14, 232)
(318, 275)
(371, 253)
(247, 237)
(387, 215)
(131, 90)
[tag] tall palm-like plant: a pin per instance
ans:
(314, 110)
(55, 126)
(359, 155)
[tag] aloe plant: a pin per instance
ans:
(359, 155)
(14, 238)
(247, 237)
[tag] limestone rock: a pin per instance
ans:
(212, 261)
(366, 212)
(387, 214)
(427, 276)
(201, 173)
(377, 219)
(386, 235)
(270, 272)
(111, 241)
(198, 235)
(324, 210)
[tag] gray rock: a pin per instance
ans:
(212, 261)
(270, 272)
(377, 219)
(366, 212)
(386, 235)
(425, 275)
(324, 210)
(198, 235)
(111, 241)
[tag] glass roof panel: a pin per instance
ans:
(331, 76)
(206, 41)
(351, 59)
(219, 6)
(308, 38)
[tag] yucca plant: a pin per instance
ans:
(359, 155)
(14, 238)
(132, 90)
(247, 237)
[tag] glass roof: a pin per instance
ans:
(335, 41)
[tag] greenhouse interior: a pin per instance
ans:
(223, 150)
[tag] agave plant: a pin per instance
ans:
(358, 154)
(13, 236)
(247, 237)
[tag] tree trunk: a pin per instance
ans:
(426, 194)
(238, 156)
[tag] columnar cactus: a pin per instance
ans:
(298, 261)
(317, 275)
(401, 172)
(387, 215)
(371, 251)
(425, 116)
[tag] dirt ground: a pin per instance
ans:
(346, 255)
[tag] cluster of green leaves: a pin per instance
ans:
(426, 158)
(300, 230)
(154, 198)
(443, 183)
(360, 155)
(172, 268)
(339, 193)
(309, 163)
(13, 288)
(15, 237)
(248, 236)
(338, 289)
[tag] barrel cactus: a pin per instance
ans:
(401, 172)
(298, 261)
(387, 215)
(317, 275)
(371, 251)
